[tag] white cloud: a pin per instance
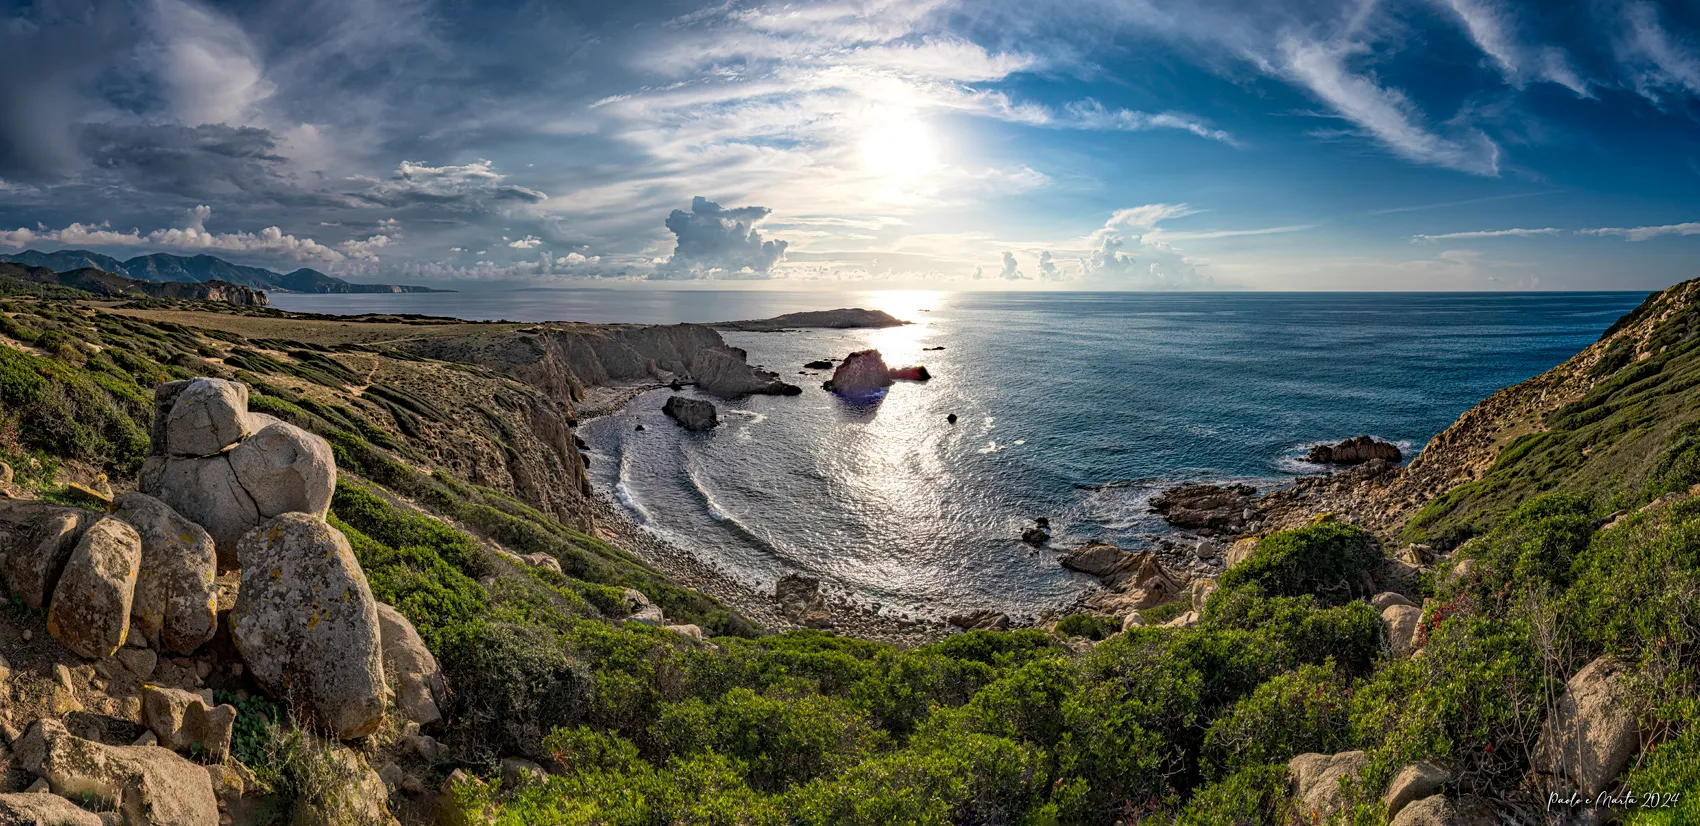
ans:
(1108, 261)
(1011, 270)
(1048, 267)
(192, 236)
(1489, 233)
(713, 241)
(476, 185)
(1645, 233)
(1382, 112)
(528, 242)
(1656, 59)
(208, 65)
(364, 249)
(1493, 28)
(1090, 114)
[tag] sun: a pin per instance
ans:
(899, 148)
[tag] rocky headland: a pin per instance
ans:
(843, 319)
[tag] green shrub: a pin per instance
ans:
(1307, 710)
(1253, 796)
(1297, 631)
(1327, 561)
(780, 740)
(1091, 626)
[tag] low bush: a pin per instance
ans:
(1326, 561)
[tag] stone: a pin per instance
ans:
(1240, 551)
(1186, 620)
(1434, 810)
(43, 809)
(90, 613)
(307, 626)
(1354, 451)
(184, 721)
(1413, 782)
(986, 620)
(518, 771)
(206, 416)
(1035, 536)
(1592, 733)
(229, 779)
(285, 469)
(425, 746)
(351, 793)
(392, 775)
(1316, 782)
(1202, 588)
(1134, 619)
(692, 414)
(103, 728)
(38, 540)
(139, 661)
(1397, 575)
(1385, 599)
(87, 496)
(1206, 507)
(148, 738)
(1400, 623)
(648, 615)
(151, 786)
(818, 365)
(410, 669)
(543, 560)
(205, 491)
(176, 603)
(690, 632)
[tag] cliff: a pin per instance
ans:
(1616, 421)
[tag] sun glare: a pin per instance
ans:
(898, 147)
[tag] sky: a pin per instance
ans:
(945, 144)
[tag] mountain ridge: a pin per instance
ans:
(98, 282)
(162, 267)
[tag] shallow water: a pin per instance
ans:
(1072, 406)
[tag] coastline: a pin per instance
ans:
(616, 526)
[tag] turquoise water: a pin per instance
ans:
(1072, 406)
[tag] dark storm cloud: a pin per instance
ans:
(49, 54)
(197, 161)
(713, 240)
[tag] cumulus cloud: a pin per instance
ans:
(1048, 267)
(192, 236)
(713, 241)
(528, 242)
(1108, 261)
(1011, 269)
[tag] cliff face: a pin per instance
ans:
(566, 360)
(1617, 421)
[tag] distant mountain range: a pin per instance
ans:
(161, 267)
(85, 282)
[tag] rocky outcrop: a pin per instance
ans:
(1434, 810)
(410, 669)
(1135, 581)
(1206, 508)
(1591, 734)
(861, 373)
(983, 620)
(800, 600)
(306, 624)
(842, 319)
(44, 809)
(1354, 451)
(90, 613)
(149, 785)
(1412, 783)
(691, 414)
(206, 492)
(1315, 782)
(176, 602)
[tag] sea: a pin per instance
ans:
(1076, 407)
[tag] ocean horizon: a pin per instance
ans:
(1077, 407)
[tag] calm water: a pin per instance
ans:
(1056, 395)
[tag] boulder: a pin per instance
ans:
(1434, 810)
(1398, 576)
(1316, 782)
(176, 603)
(307, 626)
(691, 414)
(1354, 451)
(798, 596)
(1591, 734)
(285, 469)
(1400, 623)
(44, 809)
(149, 785)
(818, 365)
(518, 771)
(1185, 620)
(1413, 782)
(1134, 619)
(1240, 551)
(38, 540)
(410, 669)
(862, 373)
(90, 613)
(183, 720)
(349, 793)
(986, 620)
(1386, 599)
(207, 415)
(916, 373)
(1136, 580)
(690, 632)
(1035, 536)
(1202, 588)
(206, 491)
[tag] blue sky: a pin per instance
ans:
(1088, 144)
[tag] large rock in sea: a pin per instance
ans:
(691, 414)
(862, 373)
(1591, 734)
(148, 785)
(1354, 451)
(90, 613)
(206, 416)
(37, 540)
(1206, 508)
(410, 669)
(725, 374)
(206, 491)
(307, 626)
(285, 469)
(176, 603)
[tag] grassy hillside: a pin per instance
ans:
(1083, 724)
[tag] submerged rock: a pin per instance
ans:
(818, 365)
(1354, 451)
(691, 414)
(915, 373)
